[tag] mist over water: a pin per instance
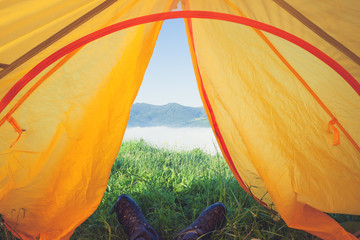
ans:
(176, 138)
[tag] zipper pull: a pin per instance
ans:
(333, 128)
(17, 128)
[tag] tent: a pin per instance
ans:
(279, 81)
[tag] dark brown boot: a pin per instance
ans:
(132, 219)
(211, 218)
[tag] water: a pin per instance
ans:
(176, 138)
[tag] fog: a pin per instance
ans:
(176, 138)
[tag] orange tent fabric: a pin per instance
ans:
(279, 81)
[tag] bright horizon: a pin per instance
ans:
(170, 77)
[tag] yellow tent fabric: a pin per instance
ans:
(288, 122)
(275, 130)
(54, 176)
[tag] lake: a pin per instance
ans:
(176, 138)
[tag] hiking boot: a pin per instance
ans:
(211, 218)
(132, 219)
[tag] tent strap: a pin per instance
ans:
(316, 29)
(54, 38)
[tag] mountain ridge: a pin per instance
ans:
(168, 115)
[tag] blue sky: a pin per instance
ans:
(170, 76)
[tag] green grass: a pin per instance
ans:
(172, 188)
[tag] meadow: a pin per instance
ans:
(172, 188)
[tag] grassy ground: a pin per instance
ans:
(172, 188)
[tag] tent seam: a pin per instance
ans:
(317, 30)
(57, 36)
(333, 120)
(213, 119)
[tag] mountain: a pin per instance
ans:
(169, 115)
